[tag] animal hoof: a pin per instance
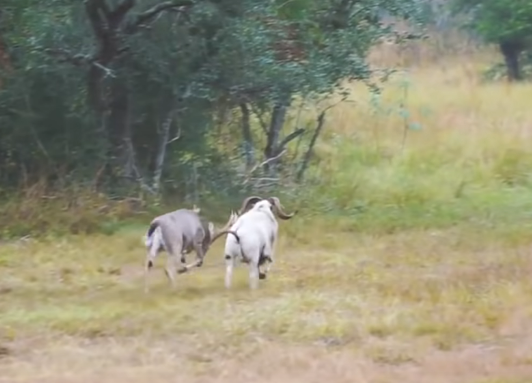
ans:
(199, 264)
(182, 270)
(262, 275)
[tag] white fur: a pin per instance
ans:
(257, 230)
(155, 243)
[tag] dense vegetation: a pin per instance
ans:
(193, 100)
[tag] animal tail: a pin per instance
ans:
(239, 242)
(152, 242)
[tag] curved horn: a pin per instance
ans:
(279, 208)
(247, 202)
(225, 230)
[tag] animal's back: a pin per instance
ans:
(180, 227)
(254, 229)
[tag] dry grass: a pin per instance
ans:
(422, 306)
(411, 277)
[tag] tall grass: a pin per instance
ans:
(437, 147)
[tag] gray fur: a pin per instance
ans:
(178, 233)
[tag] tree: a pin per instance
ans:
(125, 93)
(507, 23)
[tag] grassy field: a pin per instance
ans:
(418, 272)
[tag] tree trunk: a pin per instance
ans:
(164, 136)
(119, 126)
(246, 136)
(276, 125)
(511, 52)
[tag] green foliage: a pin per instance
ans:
(89, 104)
(499, 20)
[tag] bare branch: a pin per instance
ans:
(308, 154)
(65, 55)
(292, 136)
(177, 137)
(262, 123)
(264, 163)
(147, 16)
(107, 71)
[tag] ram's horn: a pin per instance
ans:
(279, 208)
(247, 202)
(225, 230)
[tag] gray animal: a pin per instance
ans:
(178, 233)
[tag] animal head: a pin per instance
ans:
(271, 202)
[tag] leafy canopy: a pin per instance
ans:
(499, 21)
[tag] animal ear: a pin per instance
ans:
(196, 209)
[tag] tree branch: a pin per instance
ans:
(292, 136)
(150, 14)
(308, 154)
(264, 163)
(258, 114)
(117, 15)
(65, 55)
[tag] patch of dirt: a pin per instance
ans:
(111, 361)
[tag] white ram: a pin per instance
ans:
(256, 237)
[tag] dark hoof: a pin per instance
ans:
(199, 264)
(150, 264)
(182, 270)
(262, 275)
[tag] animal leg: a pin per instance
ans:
(171, 269)
(266, 257)
(155, 245)
(147, 266)
(253, 274)
(200, 254)
(229, 266)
